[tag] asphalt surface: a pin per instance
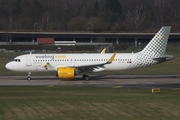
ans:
(116, 81)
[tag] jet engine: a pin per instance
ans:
(66, 73)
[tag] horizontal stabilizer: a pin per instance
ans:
(164, 58)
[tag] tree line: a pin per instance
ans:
(89, 15)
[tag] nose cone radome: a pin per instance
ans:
(9, 66)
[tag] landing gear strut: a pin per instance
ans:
(29, 76)
(86, 77)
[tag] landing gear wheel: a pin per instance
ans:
(28, 78)
(86, 77)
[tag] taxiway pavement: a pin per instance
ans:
(133, 81)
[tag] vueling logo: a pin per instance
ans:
(160, 37)
(59, 56)
(52, 57)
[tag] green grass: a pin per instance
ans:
(55, 103)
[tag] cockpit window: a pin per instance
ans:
(16, 60)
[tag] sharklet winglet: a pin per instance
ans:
(103, 51)
(112, 58)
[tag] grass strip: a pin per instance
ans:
(19, 103)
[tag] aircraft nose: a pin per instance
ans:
(9, 66)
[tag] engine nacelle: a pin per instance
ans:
(66, 73)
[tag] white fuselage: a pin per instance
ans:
(51, 62)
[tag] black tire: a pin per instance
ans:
(28, 78)
(86, 77)
(83, 77)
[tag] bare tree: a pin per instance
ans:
(135, 18)
(45, 21)
(161, 11)
(176, 18)
(175, 15)
(57, 14)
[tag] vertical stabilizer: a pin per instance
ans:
(154, 50)
(157, 46)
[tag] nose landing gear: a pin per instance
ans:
(29, 76)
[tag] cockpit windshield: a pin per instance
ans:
(16, 60)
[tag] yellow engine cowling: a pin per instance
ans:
(66, 73)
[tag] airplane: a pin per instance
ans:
(67, 66)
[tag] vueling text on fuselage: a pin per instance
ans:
(52, 57)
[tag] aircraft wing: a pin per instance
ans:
(96, 64)
(94, 67)
(91, 65)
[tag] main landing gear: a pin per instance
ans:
(29, 76)
(86, 77)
